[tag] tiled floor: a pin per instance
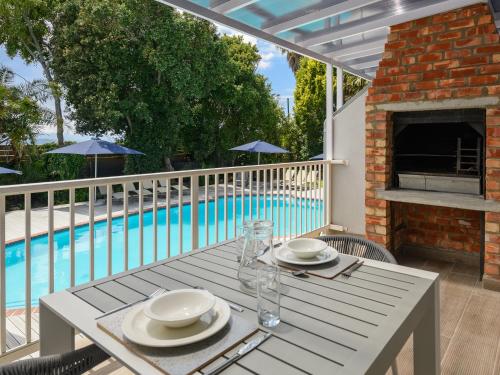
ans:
(470, 329)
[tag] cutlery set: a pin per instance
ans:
(348, 272)
(240, 353)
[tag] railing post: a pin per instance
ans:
(92, 190)
(141, 222)
(216, 206)
(109, 229)
(27, 250)
(194, 212)
(329, 141)
(226, 224)
(167, 215)
(125, 228)
(50, 209)
(207, 202)
(155, 220)
(180, 205)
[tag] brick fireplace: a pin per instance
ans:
(446, 62)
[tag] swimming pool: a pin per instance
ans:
(15, 252)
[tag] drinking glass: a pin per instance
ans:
(268, 296)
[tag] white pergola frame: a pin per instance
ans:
(318, 45)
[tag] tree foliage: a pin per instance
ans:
(240, 110)
(159, 79)
(26, 30)
(304, 136)
(21, 118)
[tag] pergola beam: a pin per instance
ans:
(365, 44)
(428, 8)
(361, 53)
(216, 17)
(297, 21)
(366, 63)
(231, 5)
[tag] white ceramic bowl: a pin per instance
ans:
(179, 308)
(306, 248)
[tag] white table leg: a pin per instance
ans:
(56, 336)
(426, 339)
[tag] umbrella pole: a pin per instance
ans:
(258, 158)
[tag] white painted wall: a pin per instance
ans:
(349, 180)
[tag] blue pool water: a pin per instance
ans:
(15, 252)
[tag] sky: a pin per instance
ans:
(273, 65)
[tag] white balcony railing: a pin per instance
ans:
(59, 234)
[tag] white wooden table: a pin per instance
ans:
(350, 325)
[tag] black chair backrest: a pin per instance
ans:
(360, 247)
(72, 363)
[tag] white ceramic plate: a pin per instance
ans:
(306, 248)
(141, 330)
(285, 255)
(179, 308)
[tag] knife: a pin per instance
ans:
(240, 353)
(353, 268)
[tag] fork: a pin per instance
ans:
(157, 292)
(347, 273)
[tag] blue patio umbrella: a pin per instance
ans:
(9, 171)
(95, 147)
(318, 157)
(260, 147)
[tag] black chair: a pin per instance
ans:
(361, 247)
(72, 363)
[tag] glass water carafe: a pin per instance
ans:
(258, 240)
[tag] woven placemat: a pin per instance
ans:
(326, 270)
(184, 359)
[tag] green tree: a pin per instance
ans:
(20, 120)
(306, 133)
(135, 68)
(26, 29)
(241, 109)
(161, 80)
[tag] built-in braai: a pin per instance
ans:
(439, 150)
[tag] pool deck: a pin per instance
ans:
(14, 221)
(16, 328)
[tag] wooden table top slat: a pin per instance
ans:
(99, 299)
(137, 284)
(120, 292)
(325, 323)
